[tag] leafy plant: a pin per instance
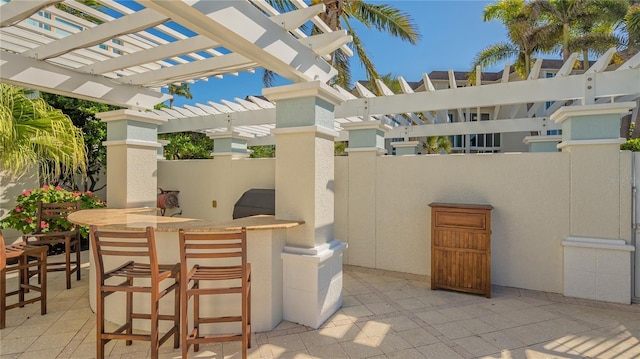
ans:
(24, 216)
(631, 145)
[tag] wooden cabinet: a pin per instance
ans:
(461, 247)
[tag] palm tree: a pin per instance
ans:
(32, 133)
(526, 38)
(580, 24)
(340, 13)
(179, 90)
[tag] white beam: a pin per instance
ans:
(461, 128)
(535, 70)
(294, 19)
(18, 10)
(153, 54)
(40, 75)
(632, 63)
(428, 85)
(242, 28)
(567, 67)
(199, 123)
(208, 67)
(505, 78)
(603, 62)
(138, 21)
(323, 44)
(608, 83)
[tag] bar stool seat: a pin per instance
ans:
(25, 257)
(124, 246)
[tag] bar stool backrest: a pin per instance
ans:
(125, 245)
(49, 211)
(214, 246)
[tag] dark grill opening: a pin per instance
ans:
(254, 202)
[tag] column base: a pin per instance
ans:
(312, 283)
(598, 269)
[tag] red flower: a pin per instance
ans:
(44, 224)
(29, 220)
(26, 193)
(45, 187)
(17, 209)
(89, 192)
(58, 188)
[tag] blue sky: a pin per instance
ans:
(452, 34)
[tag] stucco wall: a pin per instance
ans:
(202, 181)
(10, 189)
(530, 193)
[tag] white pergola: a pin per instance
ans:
(134, 51)
(130, 49)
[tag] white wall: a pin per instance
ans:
(530, 193)
(202, 181)
(9, 191)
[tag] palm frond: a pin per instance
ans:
(369, 68)
(385, 18)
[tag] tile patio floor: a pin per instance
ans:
(385, 315)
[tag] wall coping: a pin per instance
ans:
(567, 112)
(598, 243)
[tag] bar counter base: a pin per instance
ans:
(312, 282)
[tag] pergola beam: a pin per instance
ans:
(462, 128)
(138, 21)
(18, 10)
(243, 29)
(607, 83)
(40, 75)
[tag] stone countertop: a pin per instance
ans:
(140, 218)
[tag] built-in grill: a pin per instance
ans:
(254, 202)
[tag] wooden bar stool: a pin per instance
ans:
(223, 248)
(71, 239)
(124, 246)
(21, 253)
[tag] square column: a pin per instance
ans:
(230, 143)
(312, 258)
(542, 143)
(366, 145)
(132, 157)
(597, 252)
(406, 147)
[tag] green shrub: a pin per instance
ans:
(24, 216)
(631, 145)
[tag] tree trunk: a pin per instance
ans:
(585, 59)
(625, 125)
(565, 42)
(636, 125)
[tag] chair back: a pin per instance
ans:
(53, 211)
(127, 246)
(200, 245)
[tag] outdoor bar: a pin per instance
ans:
(266, 240)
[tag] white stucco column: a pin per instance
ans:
(542, 143)
(406, 147)
(312, 258)
(366, 144)
(597, 252)
(230, 143)
(132, 155)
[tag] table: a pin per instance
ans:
(266, 238)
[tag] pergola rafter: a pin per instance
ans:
(138, 47)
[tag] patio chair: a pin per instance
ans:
(122, 247)
(16, 258)
(70, 239)
(231, 273)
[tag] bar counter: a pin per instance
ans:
(266, 238)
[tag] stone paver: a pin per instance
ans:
(384, 315)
